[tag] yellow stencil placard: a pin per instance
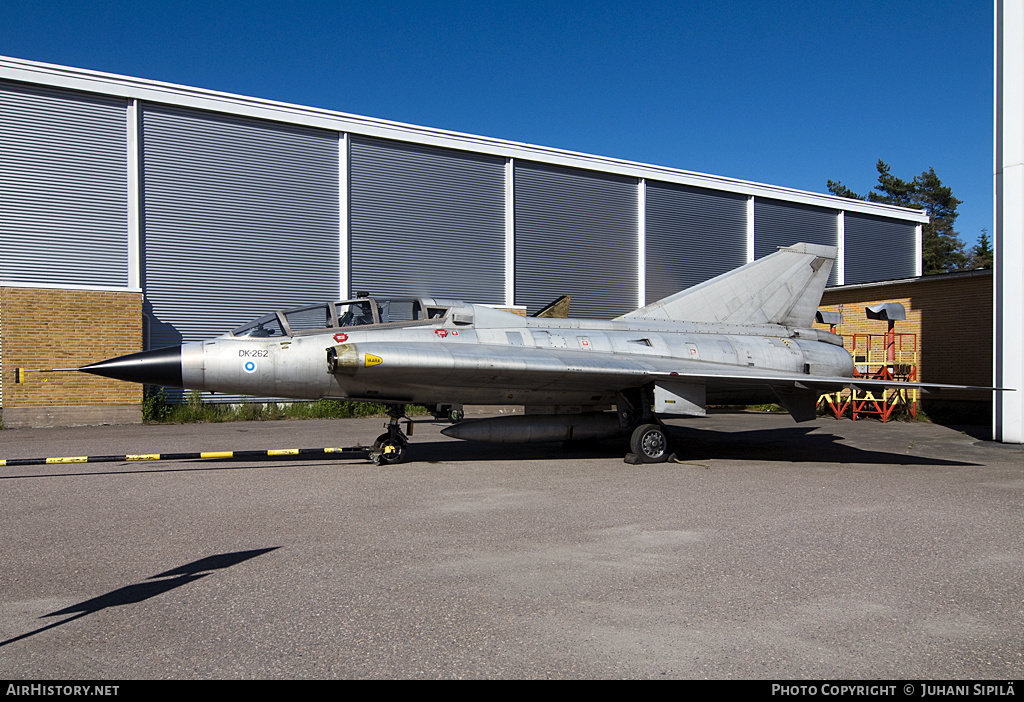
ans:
(372, 360)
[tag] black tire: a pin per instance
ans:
(650, 443)
(395, 455)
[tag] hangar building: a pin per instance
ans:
(138, 214)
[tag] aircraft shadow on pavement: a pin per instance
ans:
(793, 444)
(151, 587)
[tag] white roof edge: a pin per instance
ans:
(201, 98)
(933, 278)
(41, 285)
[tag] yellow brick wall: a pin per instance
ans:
(67, 328)
(952, 316)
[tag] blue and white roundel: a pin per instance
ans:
(250, 366)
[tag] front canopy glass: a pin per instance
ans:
(266, 326)
(348, 313)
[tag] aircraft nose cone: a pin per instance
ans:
(156, 367)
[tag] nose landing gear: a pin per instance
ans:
(391, 447)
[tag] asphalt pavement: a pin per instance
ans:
(819, 551)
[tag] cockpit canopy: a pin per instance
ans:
(363, 311)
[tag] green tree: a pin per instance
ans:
(981, 253)
(837, 188)
(942, 249)
(892, 190)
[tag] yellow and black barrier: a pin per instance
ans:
(352, 452)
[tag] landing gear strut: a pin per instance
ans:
(390, 447)
(648, 442)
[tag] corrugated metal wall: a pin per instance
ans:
(778, 223)
(878, 248)
(240, 218)
(693, 234)
(575, 234)
(63, 186)
(426, 222)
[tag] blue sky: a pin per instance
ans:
(787, 93)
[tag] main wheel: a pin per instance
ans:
(650, 443)
(391, 451)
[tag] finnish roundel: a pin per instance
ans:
(250, 366)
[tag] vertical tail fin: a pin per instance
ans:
(783, 288)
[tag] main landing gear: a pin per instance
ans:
(648, 442)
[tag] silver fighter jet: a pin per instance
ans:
(744, 337)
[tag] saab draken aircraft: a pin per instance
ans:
(745, 337)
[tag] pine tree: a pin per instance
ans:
(942, 249)
(837, 188)
(981, 253)
(892, 190)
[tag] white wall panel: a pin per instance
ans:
(878, 249)
(576, 234)
(778, 223)
(63, 187)
(426, 222)
(693, 234)
(240, 217)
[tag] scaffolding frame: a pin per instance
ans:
(889, 356)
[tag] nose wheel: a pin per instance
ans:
(388, 450)
(391, 447)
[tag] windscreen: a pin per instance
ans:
(266, 326)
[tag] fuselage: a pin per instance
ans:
(478, 355)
